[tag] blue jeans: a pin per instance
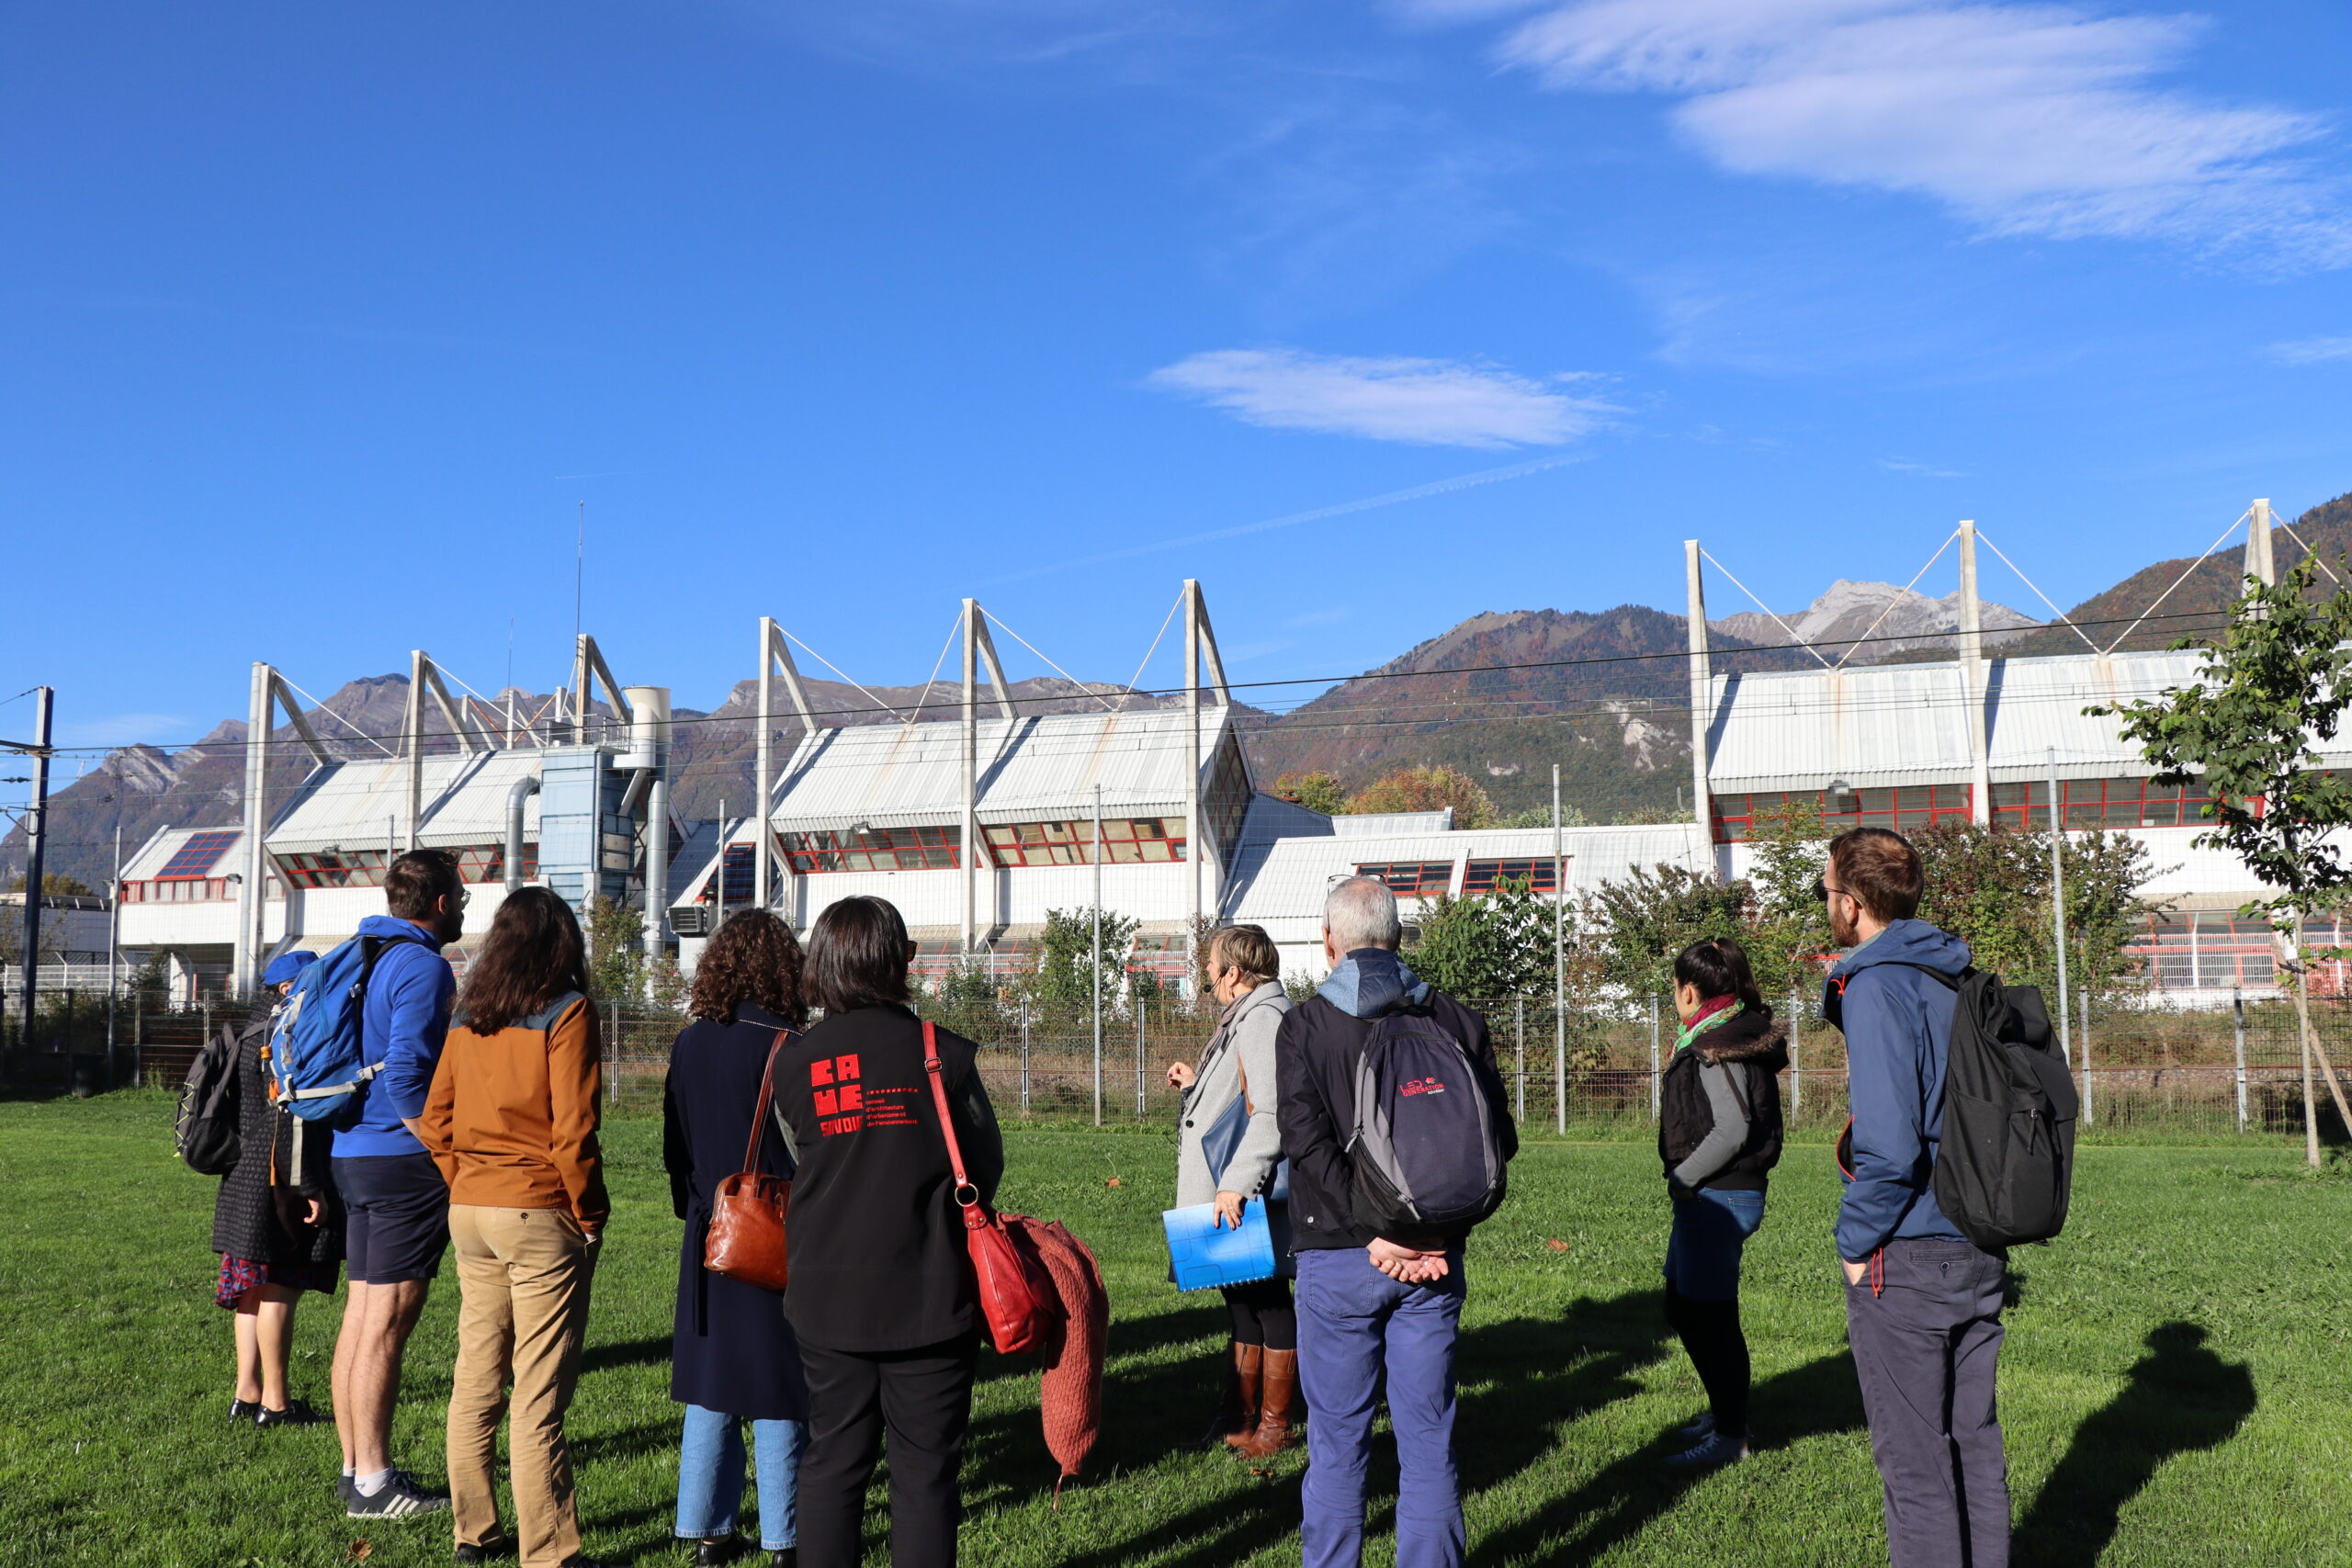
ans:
(1354, 1322)
(1710, 1227)
(710, 1476)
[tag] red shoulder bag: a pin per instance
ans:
(1017, 1300)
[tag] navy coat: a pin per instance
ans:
(731, 1349)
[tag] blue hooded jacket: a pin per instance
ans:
(404, 1021)
(1898, 1035)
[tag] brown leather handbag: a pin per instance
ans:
(745, 1240)
(1017, 1298)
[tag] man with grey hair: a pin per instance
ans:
(1371, 1304)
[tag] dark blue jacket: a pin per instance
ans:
(1898, 1033)
(403, 1025)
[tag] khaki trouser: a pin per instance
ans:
(523, 1274)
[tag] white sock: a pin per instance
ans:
(370, 1485)
(348, 1473)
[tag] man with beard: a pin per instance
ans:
(395, 1202)
(1922, 1303)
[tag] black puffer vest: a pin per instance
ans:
(1757, 1048)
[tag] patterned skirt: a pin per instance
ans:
(238, 1276)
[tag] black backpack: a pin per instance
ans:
(1425, 1149)
(2005, 1169)
(205, 1130)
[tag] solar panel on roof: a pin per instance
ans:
(198, 856)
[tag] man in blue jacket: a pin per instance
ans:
(396, 1206)
(1922, 1303)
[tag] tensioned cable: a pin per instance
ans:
(927, 681)
(1049, 664)
(2312, 554)
(1759, 604)
(1872, 630)
(1986, 539)
(2177, 581)
(318, 707)
(1165, 621)
(837, 669)
(1334, 682)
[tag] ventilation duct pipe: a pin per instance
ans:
(648, 753)
(524, 789)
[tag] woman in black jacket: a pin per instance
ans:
(732, 1356)
(881, 1291)
(1719, 1133)
(275, 1223)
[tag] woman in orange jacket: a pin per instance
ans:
(512, 1121)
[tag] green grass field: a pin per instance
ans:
(2177, 1386)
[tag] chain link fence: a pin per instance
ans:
(1594, 1068)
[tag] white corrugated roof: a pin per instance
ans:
(157, 851)
(1908, 723)
(1046, 767)
(350, 804)
(1287, 879)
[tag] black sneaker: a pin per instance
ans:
(298, 1413)
(401, 1499)
(501, 1545)
(242, 1410)
(715, 1550)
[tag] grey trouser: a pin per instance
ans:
(1926, 1344)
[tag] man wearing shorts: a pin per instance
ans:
(396, 1206)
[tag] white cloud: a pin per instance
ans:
(2312, 350)
(2024, 118)
(1437, 402)
(1904, 466)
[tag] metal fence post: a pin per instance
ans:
(1141, 1108)
(2237, 1031)
(1519, 1056)
(612, 1049)
(1024, 1058)
(137, 1038)
(2084, 1057)
(1796, 1058)
(1656, 1077)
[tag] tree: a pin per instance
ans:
(1540, 816)
(1317, 791)
(1638, 925)
(2281, 677)
(55, 884)
(1065, 972)
(1488, 945)
(616, 950)
(1426, 789)
(1788, 928)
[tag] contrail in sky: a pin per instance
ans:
(1419, 493)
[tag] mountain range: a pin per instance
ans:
(1504, 696)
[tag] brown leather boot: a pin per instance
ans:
(1237, 1415)
(1278, 1380)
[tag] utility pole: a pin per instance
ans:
(2058, 910)
(1971, 679)
(970, 751)
(1559, 964)
(1096, 969)
(114, 943)
(36, 844)
(1702, 691)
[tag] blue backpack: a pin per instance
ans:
(318, 1054)
(1427, 1150)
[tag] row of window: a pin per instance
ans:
(365, 868)
(1126, 841)
(1420, 879)
(2082, 804)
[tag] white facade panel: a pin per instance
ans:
(357, 805)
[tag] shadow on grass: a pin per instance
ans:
(652, 1351)
(2180, 1397)
(1530, 1378)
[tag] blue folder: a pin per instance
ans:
(1202, 1254)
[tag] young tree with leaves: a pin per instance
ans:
(2280, 678)
(1488, 945)
(1316, 791)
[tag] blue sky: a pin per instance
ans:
(318, 322)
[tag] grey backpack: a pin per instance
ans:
(1425, 1149)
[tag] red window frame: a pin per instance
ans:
(1903, 808)
(197, 854)
(1410, 879)
(1481, 875)
(2085, 804)
(877, 848)
(1127, 841)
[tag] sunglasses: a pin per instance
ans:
(1822, 890)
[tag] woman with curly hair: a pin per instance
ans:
(733, 1358)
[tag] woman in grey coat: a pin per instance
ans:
(1261, 1379)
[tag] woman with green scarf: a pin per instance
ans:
(1719, 1133)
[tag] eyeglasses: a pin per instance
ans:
(1822, 890)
